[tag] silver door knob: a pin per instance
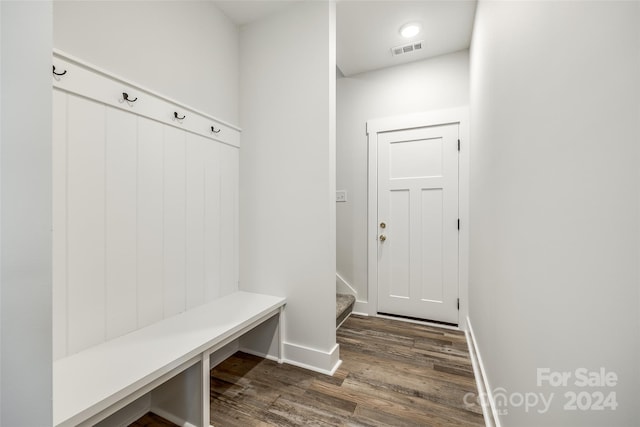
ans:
(383, 237)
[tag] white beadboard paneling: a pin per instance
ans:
(150, 222)
(229, 166)
(86, 223)
(195, 185)
(121, 194)
(212, 221)
(59, 212)
(145, 209)
(174, 221)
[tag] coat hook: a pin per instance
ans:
(175, 114)
(59, 74)
(214, 130)
(125, 96)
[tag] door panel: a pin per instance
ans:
(418, 204)
(431, 244)
(399, 248)
(414, 159)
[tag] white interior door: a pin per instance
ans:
(418, 222)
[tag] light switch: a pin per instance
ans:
(341, 196)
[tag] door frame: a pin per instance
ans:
(458, 116)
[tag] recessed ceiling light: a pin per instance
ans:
(410, 30)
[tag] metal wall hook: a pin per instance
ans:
(59, 74)
(175, 114)
(125, 96)
(214, 130)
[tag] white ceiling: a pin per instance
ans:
(368, 29)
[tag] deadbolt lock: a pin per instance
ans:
(383, 225)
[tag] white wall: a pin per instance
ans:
(186, 50)
(25, 262)
(437, 83)
(554, 200)
(287, 173)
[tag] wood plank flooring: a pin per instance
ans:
(393, 374)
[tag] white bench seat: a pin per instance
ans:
(92, 384)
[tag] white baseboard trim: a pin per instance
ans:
(343, 287)
(313, 368)
(485, 391)
(361, 308)
(312, 359)
(170, 417)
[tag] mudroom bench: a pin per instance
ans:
(95, 383)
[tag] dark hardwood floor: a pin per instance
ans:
(393, 374)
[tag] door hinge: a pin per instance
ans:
(458, 223)
(458, 145)
(458, 303)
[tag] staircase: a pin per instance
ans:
(344, 307)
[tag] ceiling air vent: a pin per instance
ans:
(406, 48)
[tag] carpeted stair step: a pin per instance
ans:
(344, 307)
